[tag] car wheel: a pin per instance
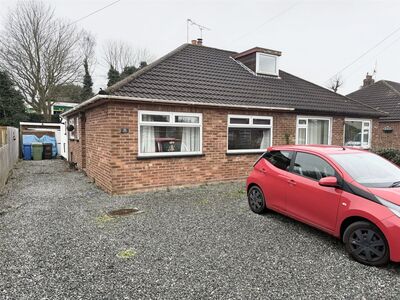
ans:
(256, 200)
(366, 244)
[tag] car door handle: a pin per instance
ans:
(291, 182)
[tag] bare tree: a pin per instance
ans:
(40, 52)
(335, 83)
(120, 55)
(88, 48)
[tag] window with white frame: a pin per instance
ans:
(249, 133)
(266, 64)
(357, 133)
(169, 133)
(313, 130)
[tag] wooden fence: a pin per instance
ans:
(9, 152)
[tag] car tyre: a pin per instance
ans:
(256, 200)
(366, 244)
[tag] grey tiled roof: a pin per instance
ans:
(383, 95)
(202, 74)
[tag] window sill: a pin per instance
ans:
(359, 147)
(169, 156)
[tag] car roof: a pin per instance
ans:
(321, 149)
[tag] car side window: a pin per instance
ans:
(312, 166)
(280, 159)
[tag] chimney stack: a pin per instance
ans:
(368, 81)
(198, 42)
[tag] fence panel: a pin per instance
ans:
(9, 152)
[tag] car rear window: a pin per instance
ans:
(280, 159)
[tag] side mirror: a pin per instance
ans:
(328, 181)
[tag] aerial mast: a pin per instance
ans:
(190, 22)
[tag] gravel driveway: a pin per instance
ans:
(57, 242)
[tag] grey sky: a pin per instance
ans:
(317, 38)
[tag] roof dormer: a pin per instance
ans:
(260, 60)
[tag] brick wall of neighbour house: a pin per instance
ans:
(386, 140)
(75, 152)
(77, 148)
(111, 156)
(92, 151)
(98, 146)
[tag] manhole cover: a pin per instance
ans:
(122, 212)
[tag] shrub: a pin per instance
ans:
(390, 154)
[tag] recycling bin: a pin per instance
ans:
(47, 151)
(37, 151)
(27, 152)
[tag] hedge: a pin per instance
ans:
(390, 154)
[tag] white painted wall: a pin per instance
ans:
(9, 154)
(63, 141)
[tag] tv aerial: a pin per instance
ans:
(190, 22)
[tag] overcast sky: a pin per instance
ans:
(317, 38)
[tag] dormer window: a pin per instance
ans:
(266, 64)
(260, 60)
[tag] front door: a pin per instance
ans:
(306, 199)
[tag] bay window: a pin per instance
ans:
(248, 134)
(313, 130)
(169, 133)
(357, 133)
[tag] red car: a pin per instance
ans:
(350, 193)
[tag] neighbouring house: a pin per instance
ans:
(60, 107)
(383, 95)
(201, 114)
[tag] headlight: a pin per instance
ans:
(393, 207)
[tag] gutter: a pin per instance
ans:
(111, 97)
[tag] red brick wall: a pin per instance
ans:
(98, 146)
(130, 173)
(386, 140)
(337, 131)
(92, 151)
(111, 156)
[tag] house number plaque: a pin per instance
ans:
(124, 130)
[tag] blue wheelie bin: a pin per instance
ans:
(27, 152)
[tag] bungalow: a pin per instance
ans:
(201, 114)
(383, 95)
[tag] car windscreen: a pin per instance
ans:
(369, 169)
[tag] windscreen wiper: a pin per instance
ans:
(395, 184)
